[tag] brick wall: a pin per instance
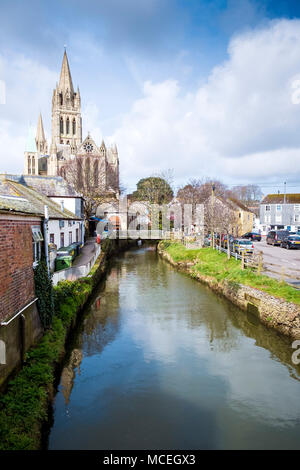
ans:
(16, 258)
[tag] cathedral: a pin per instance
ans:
(100, 164)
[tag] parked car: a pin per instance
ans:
(241, 245)
(274, 237)
(292, 241)
(252, 236)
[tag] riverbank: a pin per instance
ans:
(24, 407)
(275, 303)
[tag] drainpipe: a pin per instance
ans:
(45, 225)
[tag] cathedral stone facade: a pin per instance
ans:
(100, 162)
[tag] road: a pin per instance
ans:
(276, 259)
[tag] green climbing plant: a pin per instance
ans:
(44, 292)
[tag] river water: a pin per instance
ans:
(161, 362)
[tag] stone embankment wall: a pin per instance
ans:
(276, 313)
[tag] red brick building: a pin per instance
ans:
(20, 248)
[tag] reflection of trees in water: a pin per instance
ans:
(68, 373)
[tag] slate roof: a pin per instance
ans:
(279, 199)
(16, 197)
(48, 185)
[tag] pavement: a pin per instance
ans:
(87, 252)
(278, 261)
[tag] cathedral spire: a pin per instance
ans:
(40, 134)
(65, 81)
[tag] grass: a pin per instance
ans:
(211, 263)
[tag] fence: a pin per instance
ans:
(75, 272)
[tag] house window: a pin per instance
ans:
(77, 235)
(297, 207)
(70, 238)
(268, 208)
(62, 239)
(69, 223)
(278, 219)
(52, 238)
(61, 223)
(278, 207)
(297, 218)
(267, 219)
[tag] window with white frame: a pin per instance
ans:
(37, 238)
(268, 208)
(267, 218)
(297, 218)
(297, 207)
(278, 207)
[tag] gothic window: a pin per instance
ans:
(79, 173)
(96, 173)
(87, 172)
(68, 142)
(68, 126)
(29, 165)
(74, 126)
(61, 99)
(33, 165)
(61, 125)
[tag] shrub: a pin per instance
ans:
(44, 292)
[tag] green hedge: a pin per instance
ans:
(24, 407)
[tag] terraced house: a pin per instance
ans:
(280, 211)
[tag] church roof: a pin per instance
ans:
(65, 80)
(31, 144)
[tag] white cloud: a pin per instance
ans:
(240, 124)
(28, 86)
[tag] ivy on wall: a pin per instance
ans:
(44, 292)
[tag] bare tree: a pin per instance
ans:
(220, 216)
(247, 194)
(94, 180)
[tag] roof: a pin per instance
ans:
(50, 186)
(240, 205)
(20, 198)
(11, 202)
(279, 199)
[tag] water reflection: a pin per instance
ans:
(162, 362)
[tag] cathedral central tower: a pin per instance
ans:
(66, 112)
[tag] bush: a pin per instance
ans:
(44, 292)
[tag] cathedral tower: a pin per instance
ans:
(66, 112)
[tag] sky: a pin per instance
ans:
(210, 89)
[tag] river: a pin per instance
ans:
(161, 362)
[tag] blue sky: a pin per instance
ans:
(200, 86)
